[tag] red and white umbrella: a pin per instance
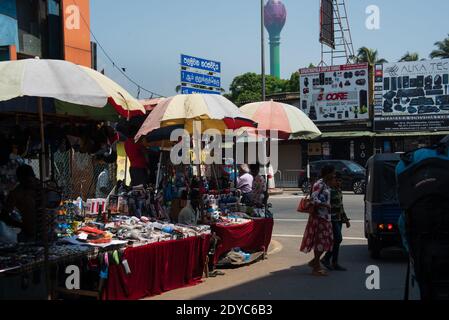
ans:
(287, 120)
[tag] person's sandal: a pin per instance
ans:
(320, 273)
(327, 264)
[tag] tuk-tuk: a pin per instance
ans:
(382, 209)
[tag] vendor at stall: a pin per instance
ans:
(139, 166)
(24, 199)
(245, 183)
(188, 215)
(259, 188)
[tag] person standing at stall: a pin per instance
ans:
(139, 166)
(318, 236)
(24, 198)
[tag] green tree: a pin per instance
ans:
(410, 57)
(293, 83)
(443, 50)
(370, 56)
(248, 87)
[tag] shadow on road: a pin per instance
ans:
(297, 283)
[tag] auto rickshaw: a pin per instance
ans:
(382, 208)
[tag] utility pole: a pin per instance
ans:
(262, 31)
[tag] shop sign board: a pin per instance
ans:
(336, 93)
(412, 96)
(200, 75)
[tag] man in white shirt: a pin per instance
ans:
(245, 183)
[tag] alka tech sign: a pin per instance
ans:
(200, 75)
(412, 96)
(337, 93)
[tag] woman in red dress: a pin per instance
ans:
(318, 236)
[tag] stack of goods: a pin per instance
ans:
(15, 257)
(134, 231)
(93, 236)
(142, 231)
(68, 218)
(233, 220)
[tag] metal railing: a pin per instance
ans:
(287, 178)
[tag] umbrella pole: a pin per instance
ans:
(126, 168)
(159, 168)
(268, 174)
(43, 176)
(235, 161)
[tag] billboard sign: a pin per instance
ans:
(200, 75)
(327, 29)
(412, 96)
(335, 94)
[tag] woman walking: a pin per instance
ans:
(318, 236)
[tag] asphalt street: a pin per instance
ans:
(286, 276)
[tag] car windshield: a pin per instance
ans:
(354, 167)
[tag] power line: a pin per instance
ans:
(139, 87)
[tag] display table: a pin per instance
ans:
(250, 237)
(158, 268)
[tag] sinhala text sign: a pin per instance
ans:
(199, 75)
(337, 93)
(412, 96)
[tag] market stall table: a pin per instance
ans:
(252, 236)
(157, 268)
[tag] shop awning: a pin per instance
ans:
(412, 134)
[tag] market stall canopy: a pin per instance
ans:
(213, 111)
(287, 120)
(150, 104)
(76, 90)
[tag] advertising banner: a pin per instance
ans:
(327, 29)
(335, 94)
(412, 96)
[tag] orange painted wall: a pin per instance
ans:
(12, 53)
(77, 40)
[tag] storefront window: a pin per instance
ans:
(30, 40)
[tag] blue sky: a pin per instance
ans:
(148, 36)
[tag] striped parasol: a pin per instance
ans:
(287, 120)
(213, 111)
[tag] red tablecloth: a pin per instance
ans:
(158, 268)
(250, 237)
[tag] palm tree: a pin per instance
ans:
(370, 56)
(443, 49)
(410, 57)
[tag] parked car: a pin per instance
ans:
(354, 175)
